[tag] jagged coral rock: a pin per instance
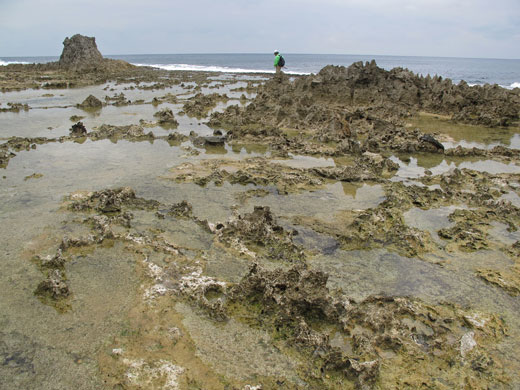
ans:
(80, 51)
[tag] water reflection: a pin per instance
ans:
(415, 168)
(363, 273)
(323, 203)
(466, 135)
(215, 149)
(305, 162)
(249, 148)
(431, 220)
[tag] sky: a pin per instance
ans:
(447, 28)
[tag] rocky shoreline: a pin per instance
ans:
(253, 277)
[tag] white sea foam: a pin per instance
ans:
(4, 63)
(514, 85)
(212, 68)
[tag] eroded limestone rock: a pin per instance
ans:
(78, 130)
(199, 105)
(259, 230)
(259, 171)
(297, 307)
(360, 108)
(129, 132)
(80, 51)
(118, 100)
(55, 286)
(91, 102)
(109, 201)
(165, 116)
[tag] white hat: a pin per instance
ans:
(276, 52)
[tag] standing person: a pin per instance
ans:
(279, 61)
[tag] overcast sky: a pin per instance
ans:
(453, 28)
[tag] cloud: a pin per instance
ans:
(401, 27)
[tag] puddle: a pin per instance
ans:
(491, 166)
(41, 345)
(50, 116)
(306, 162)
(323, 203)
(431, 220)
(468, 136)
(500, 233)
(311, 240)
(236, 349)
(223, 266)
(363, 273)
(512, 197)
(183, 232)
(415, 168)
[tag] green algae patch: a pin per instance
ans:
(509, 281)
(380, 227)
(378, 341)
(33, 176)
(156, 351)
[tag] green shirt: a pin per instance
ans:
(276, 59)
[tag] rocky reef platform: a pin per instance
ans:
(352, 229)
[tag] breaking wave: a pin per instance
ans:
(512, 86)
(4, 63)
(212, 68)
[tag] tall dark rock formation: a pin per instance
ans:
(80, 51)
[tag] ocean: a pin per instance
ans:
(475, 71)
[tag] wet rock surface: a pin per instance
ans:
(108, 201)
(55, 286)
(258, 232)
(365, 106)
(130, 132)
(78, 130)
(380, 339)
(258, 171)
(165, 116)
(199, 105)
(294, 303)
(91, 102)
(209, 141)
(369, 167)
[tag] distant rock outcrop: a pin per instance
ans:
(91, 102)
(80, 51)
(339, 101)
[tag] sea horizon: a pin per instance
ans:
(270, 53)
(474, 71)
